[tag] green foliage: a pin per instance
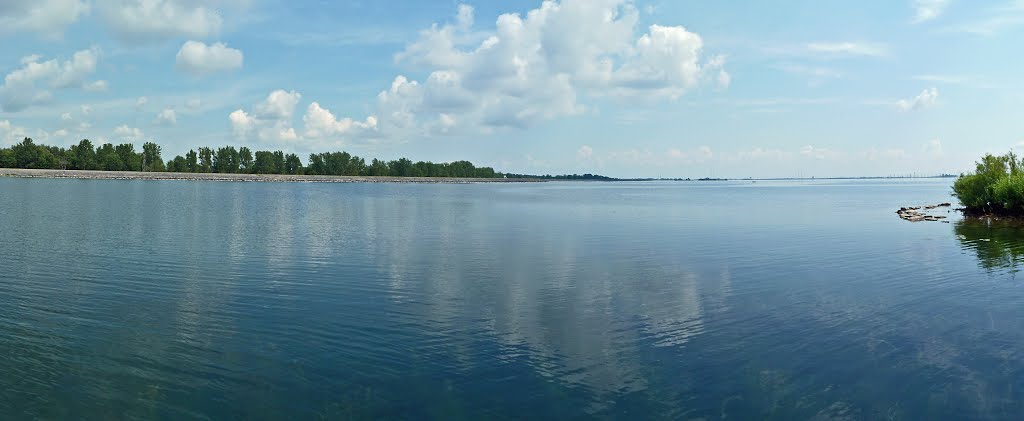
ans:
(131, 160)
(264, 163)
(205, 160)
(84, 156)
(996, 186)
(191, 161)
(151, 159)
(26, 154)
(108, 159)
(7, 158)
(292, 164)
(245, 159)
(378, 168)
(123, 157)
(227, 160)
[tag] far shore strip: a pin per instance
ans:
(133, 175)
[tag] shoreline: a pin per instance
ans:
(265, 178)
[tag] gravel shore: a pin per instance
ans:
(131, 175)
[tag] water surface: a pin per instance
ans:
(741, 300)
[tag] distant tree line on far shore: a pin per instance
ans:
(228, 159)
(584, 177)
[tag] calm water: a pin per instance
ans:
(153, 299)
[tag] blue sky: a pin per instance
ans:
(617, 87)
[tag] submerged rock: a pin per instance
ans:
(914, 214)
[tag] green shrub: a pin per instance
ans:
(972, 191)
(1008, 193)
(996, 186)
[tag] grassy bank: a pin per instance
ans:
(996, 187)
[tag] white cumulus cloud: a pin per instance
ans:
(11, 134)
(321, 123)
(270, 120)
(925, 99)
(167, 117)
(199, 59)
(129, 134)
(543, 65)
(142, 21)
(48, 17)
(279, 104)
(35, 81)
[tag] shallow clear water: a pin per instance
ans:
(782, 300)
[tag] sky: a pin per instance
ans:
(626, 88)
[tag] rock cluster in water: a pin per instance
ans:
(915, 214)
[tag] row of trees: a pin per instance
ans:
(228, 160)
(107, 157)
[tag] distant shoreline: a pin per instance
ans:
(269, 178)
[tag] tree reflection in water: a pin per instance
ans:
(999, 243)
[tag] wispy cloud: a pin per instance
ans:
(946, 79)
(848, 49)
(926, 10)
(771, 102)
(826, 49)
(814, 72)
(994, 20)
(379, 36)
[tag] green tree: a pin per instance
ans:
(191, 161)
(47, 160)
(356, 166)
(401, 168)
(178, 164)
(292, 164)
(264, 163)
(65, 159)
(205, 160)
(279, 163)
(378, 168)
(151, 159)
(84, 156)
(7, 159)
(108, 159)
(130, 160)
(245, 159)
(316, 165)
(26, 155)
(226, 160)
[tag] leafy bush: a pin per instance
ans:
(996, 186)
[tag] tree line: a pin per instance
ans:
(228, 159)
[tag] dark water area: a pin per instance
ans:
(769, 300)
